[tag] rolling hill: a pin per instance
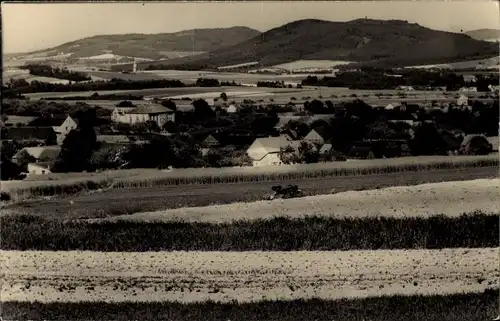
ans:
(148, 46)
(391, 42)
(484, 34)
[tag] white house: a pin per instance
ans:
(142, 114)
(65, 128)
(265, 151)
(462, 100)
(231, 109)
(39, 168)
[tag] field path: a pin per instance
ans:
(131, 200)
(244, 276)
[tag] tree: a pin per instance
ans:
(288, 155)
(307, 153)
(125, 103)
(152, 126)
(202, 110)
(169, 127)
(170, 104)
(223, 96)
(23, 159)
(427, 141)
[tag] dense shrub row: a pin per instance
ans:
(274, 234)
(455, 307)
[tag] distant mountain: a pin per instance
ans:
(392, 42)
(484, 34)
(150, 46)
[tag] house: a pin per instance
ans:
(469, 89)
(392, 106)
(469, 78)
(405, 88)
(14, 120)
(65, 128)
(265, 151)
(45, 135)
(326, 148)
(463, 100)
(40, 154)
(232, 109)
(495, 142)
(62, 125)
(361, 152)
(40, 168)
(113, 139)
(210, 141)
(143, 113)
(318, 135)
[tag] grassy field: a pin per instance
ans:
(71, 183)
(479, 306)
(23, 232)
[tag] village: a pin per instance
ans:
(218, 132)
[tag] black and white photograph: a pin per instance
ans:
(250, 161)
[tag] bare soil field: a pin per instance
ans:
(243, 276)
(113, 202)
(448, 198)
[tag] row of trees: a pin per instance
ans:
(55, 72)
(380, 79)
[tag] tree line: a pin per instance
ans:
(56, 72)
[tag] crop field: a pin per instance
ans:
(61, 184)
(330, 261)
(448, 198)
(473, 306)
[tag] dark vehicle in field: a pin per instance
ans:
(290, 191)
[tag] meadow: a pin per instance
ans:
(475, 306)
(70, 183)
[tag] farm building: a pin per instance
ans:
(40, 154)
(210, 141)
(40, 168)
(62, 125)
(361, 152)
(45, 135)
(143, 113)
(13, 120)
(462, 100)
(265, 151)
(318, 136)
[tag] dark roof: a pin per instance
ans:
(360, 151)
(25, 133)
(324, 132)
(55, 120)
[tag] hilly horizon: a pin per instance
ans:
(149, 46)
(360, 40)
(484, 34)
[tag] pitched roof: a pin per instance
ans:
(56, 120)
(43, 153)
(112, 139)
(14, 120)
(470, 137)
(149, 109)
(26, 133)
(263, 146)
(360, 151)
(323, 131)
(325, 148)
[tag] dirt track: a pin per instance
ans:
(244, 276)
(127, 201)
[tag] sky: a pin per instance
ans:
(33, 26)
